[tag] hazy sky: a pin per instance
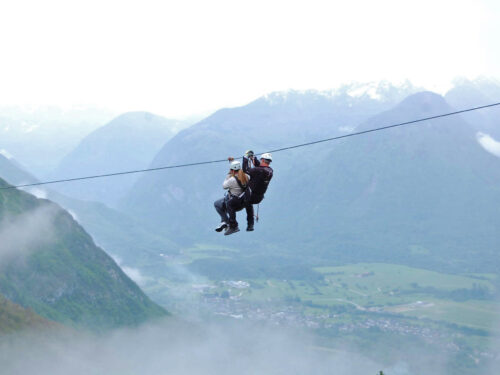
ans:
(176, 58)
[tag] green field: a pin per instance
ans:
(363, 288)
(380, 308)
(385, 288)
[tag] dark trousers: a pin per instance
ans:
(234, 205)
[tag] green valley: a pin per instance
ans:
(353, 304)
(366, 288)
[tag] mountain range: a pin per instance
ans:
(418, 195)
(29, 133)
(482, 91)
(128, 142)
(181, 200)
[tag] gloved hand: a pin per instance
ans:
(249, 154)
(230, 159)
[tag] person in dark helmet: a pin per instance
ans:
(260, 176)
(235, 183)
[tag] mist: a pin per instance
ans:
(173, 347)
(489, 144)
(134, 273)
(6, 153)
(22, 234)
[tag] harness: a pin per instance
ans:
(246, 195)
(246, 191)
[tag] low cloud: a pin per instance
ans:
(489, 143)
(22, 234)
(73, 215)
(180, 348)
(6, 153)
(133, 273)
(37, 192)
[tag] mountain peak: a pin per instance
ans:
(382, 91)
(138, 119)
(287, 96)
(426, 102)
(129, 141)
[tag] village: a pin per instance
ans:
(231, 303)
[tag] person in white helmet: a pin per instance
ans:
(235, 183)
(260, 176)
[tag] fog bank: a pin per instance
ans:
(171, 347)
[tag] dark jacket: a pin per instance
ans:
(259, 179)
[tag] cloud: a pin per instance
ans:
(37, 192)
(6, 153)
(181, 348)
(133, 273)
(489, 143)
(22, 234)
(73, 214)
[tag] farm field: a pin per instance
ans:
(364, 288)
(350, 305)
(390, 288)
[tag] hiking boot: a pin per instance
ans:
(250, 228)
(221, 227)
(231, 230)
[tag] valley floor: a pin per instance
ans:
(456, 315)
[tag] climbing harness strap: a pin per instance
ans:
(252, 165)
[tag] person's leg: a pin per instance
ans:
(232, 206)
(221, 208)
(250, 219)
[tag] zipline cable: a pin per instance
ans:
(271, 151)
(384, 128)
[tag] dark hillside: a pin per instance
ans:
(14, 318)
(50, 264)
(120, 235)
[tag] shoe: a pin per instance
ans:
(231, 230)
(250, 228)
(221, 227)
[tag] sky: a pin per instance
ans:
(182, 58)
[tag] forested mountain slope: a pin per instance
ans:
(14, 318)
(51, 265)
(121, 235)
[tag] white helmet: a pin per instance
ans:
(267, 156)
(235, 165)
